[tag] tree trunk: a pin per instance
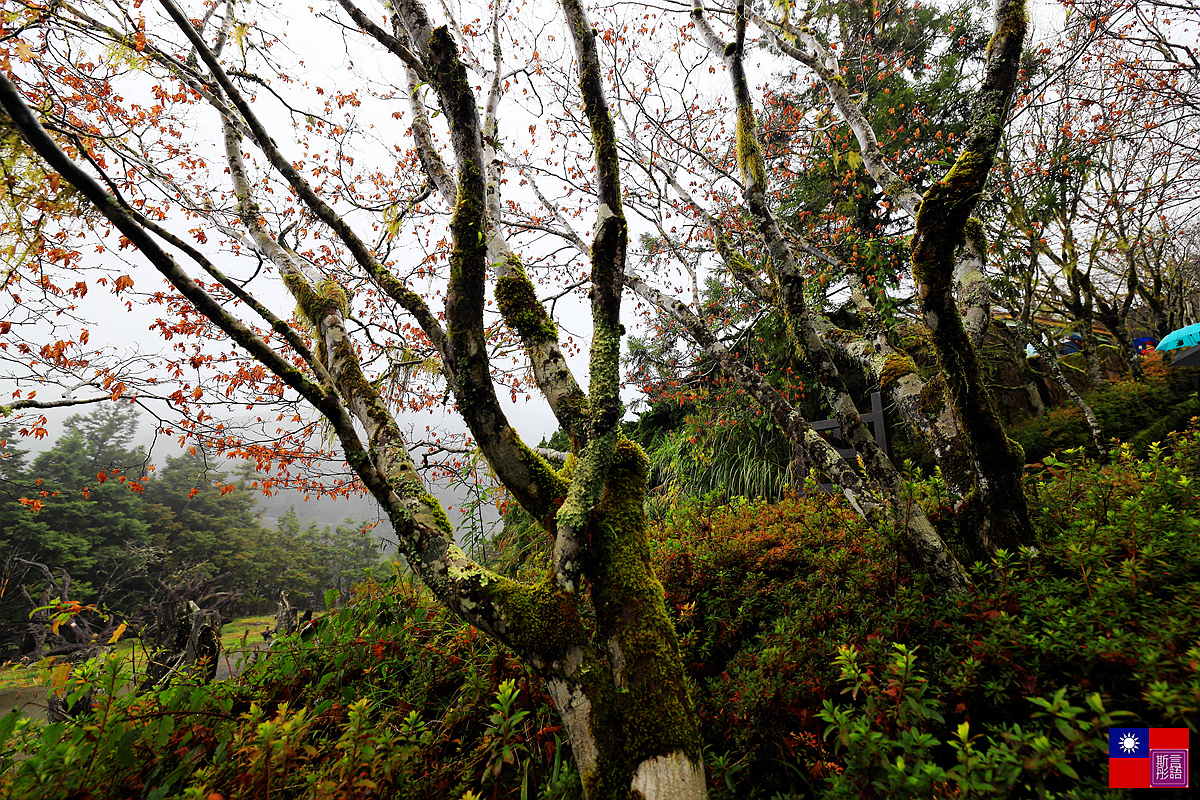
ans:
(1050, 358)
(1021, 362)
(1115, 323)
(997, 509)
(1091, 352)
(186, 641)
(624, 699)
(597, 628)
(1031, 388)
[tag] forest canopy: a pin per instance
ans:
(126, 532)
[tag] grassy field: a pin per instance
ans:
(16, 676)
(250, 627)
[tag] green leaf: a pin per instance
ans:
(125, 747)
(331, 596)
(7, 725)
(162, 732)
(1066, 729)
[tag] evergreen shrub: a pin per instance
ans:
(1161, 403)
(820, 667)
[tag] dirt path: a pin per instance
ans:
(30, 701)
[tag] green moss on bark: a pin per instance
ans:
(428, 511)
(895, 367)
(932, 399)
(539, 619)
(734, 260)
(974, 233)
(647, 712)
(1013, 24)
(895, 187)
(749, 151)
(521, 310)
(938, 232)
(313, 303)
(547, 488)
(437, 512)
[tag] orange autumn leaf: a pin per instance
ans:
(61, 672)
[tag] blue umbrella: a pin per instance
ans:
(1184, 337)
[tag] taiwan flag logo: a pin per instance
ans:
(1147, 758)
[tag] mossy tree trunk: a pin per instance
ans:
(921, 401)
(596, 627)
(953, 411)
(943, 224)
(921, 543)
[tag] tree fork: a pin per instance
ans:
(941, 227)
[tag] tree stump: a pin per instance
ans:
(187, 641)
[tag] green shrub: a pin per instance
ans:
(1108, 603)
(891, 741)
(779, 608)
(390, 698)
(1159, 405)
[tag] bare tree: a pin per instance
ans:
(596, 627)
(712, 174)
(1096, 184)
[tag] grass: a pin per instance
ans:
(17, 676)
(231, 634)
